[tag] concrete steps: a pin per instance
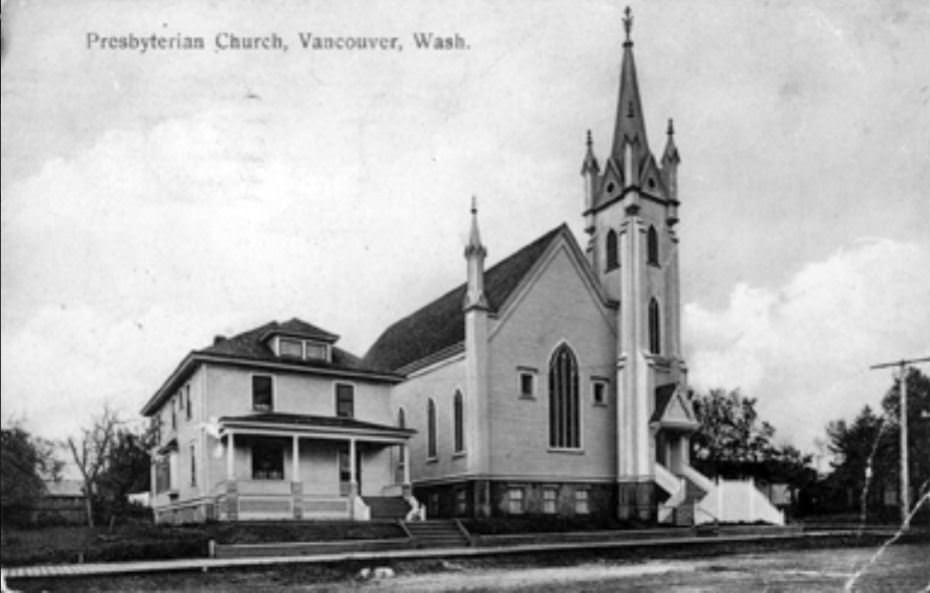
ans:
(437, 534)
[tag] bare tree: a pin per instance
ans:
(91, 453)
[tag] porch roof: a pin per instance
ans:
(310, 426)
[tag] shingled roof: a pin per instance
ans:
(441, 323)
(251, 345)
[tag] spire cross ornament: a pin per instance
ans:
(474, 204)
(628, 22)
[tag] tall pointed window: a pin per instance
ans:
(564, 412)
(430, 429)
(611, 251)
(458, 424)
(655, 342)
(652, 246)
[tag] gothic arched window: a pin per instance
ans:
(430, 429)
(564, 412)
(655, 342)
(611, 251)
(652, 246)
(458, 424)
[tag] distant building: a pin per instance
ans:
(553, 383)
(61, 504)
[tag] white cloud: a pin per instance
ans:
(804, 349)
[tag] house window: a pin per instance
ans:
(267, 460)
(289, 347)
(599, 392)
(193, 454)
(581, 502)
(316, 351)
(262, 393)
(345, 400)
(401, 459)
(564, 415)
(527, 384)
(461, 502)
(458, 422)
(430, 429)
(162, 474)
(549, 500)
(611, 251)
(345, 471)
(515, 501)
(187, 401)
(652, 246)
(174, 413)
(655, 343)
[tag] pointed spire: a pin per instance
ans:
(589, 165)
(474, 236)
(671, 151)
(630, 126)
(474, 255)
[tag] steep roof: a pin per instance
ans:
(441, 323)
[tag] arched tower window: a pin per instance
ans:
(611, 251)
(655, 342)
(401, 458)
(458, 424)
(652, 246)
(430, 429)
(564, 412)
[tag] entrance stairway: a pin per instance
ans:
(444, 533)
(387, 507)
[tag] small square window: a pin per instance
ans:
(581, 502)
(290, 348)
(515, 501)
(549, 500)
(316, 351)
(527, 384)
(599, 392)
(262, 393)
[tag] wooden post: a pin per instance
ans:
(230, 457)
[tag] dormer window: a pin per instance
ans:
(301, 349)
(317, 351)
(290, 348)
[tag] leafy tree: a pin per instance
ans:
(734, 441)
(918, 425)
(25, 462)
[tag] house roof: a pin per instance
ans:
(310, 421)
(441, 323)
(251, 348)
(251, 345)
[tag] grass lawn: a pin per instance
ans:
(138, 541)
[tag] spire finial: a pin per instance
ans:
(474, 204)
(671, 127)
(589, 141)
(628, 22)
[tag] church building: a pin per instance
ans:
(551, 383)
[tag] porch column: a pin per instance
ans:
(353, 479)
(295, 459)
(152, 478)
(230, 456)
(297, 487)
(405, 457)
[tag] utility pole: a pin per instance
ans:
(902, 420)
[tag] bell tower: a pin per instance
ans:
(631, 208)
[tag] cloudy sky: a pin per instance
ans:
(152, 200)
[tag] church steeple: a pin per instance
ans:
(630, 127)
(474, 255)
